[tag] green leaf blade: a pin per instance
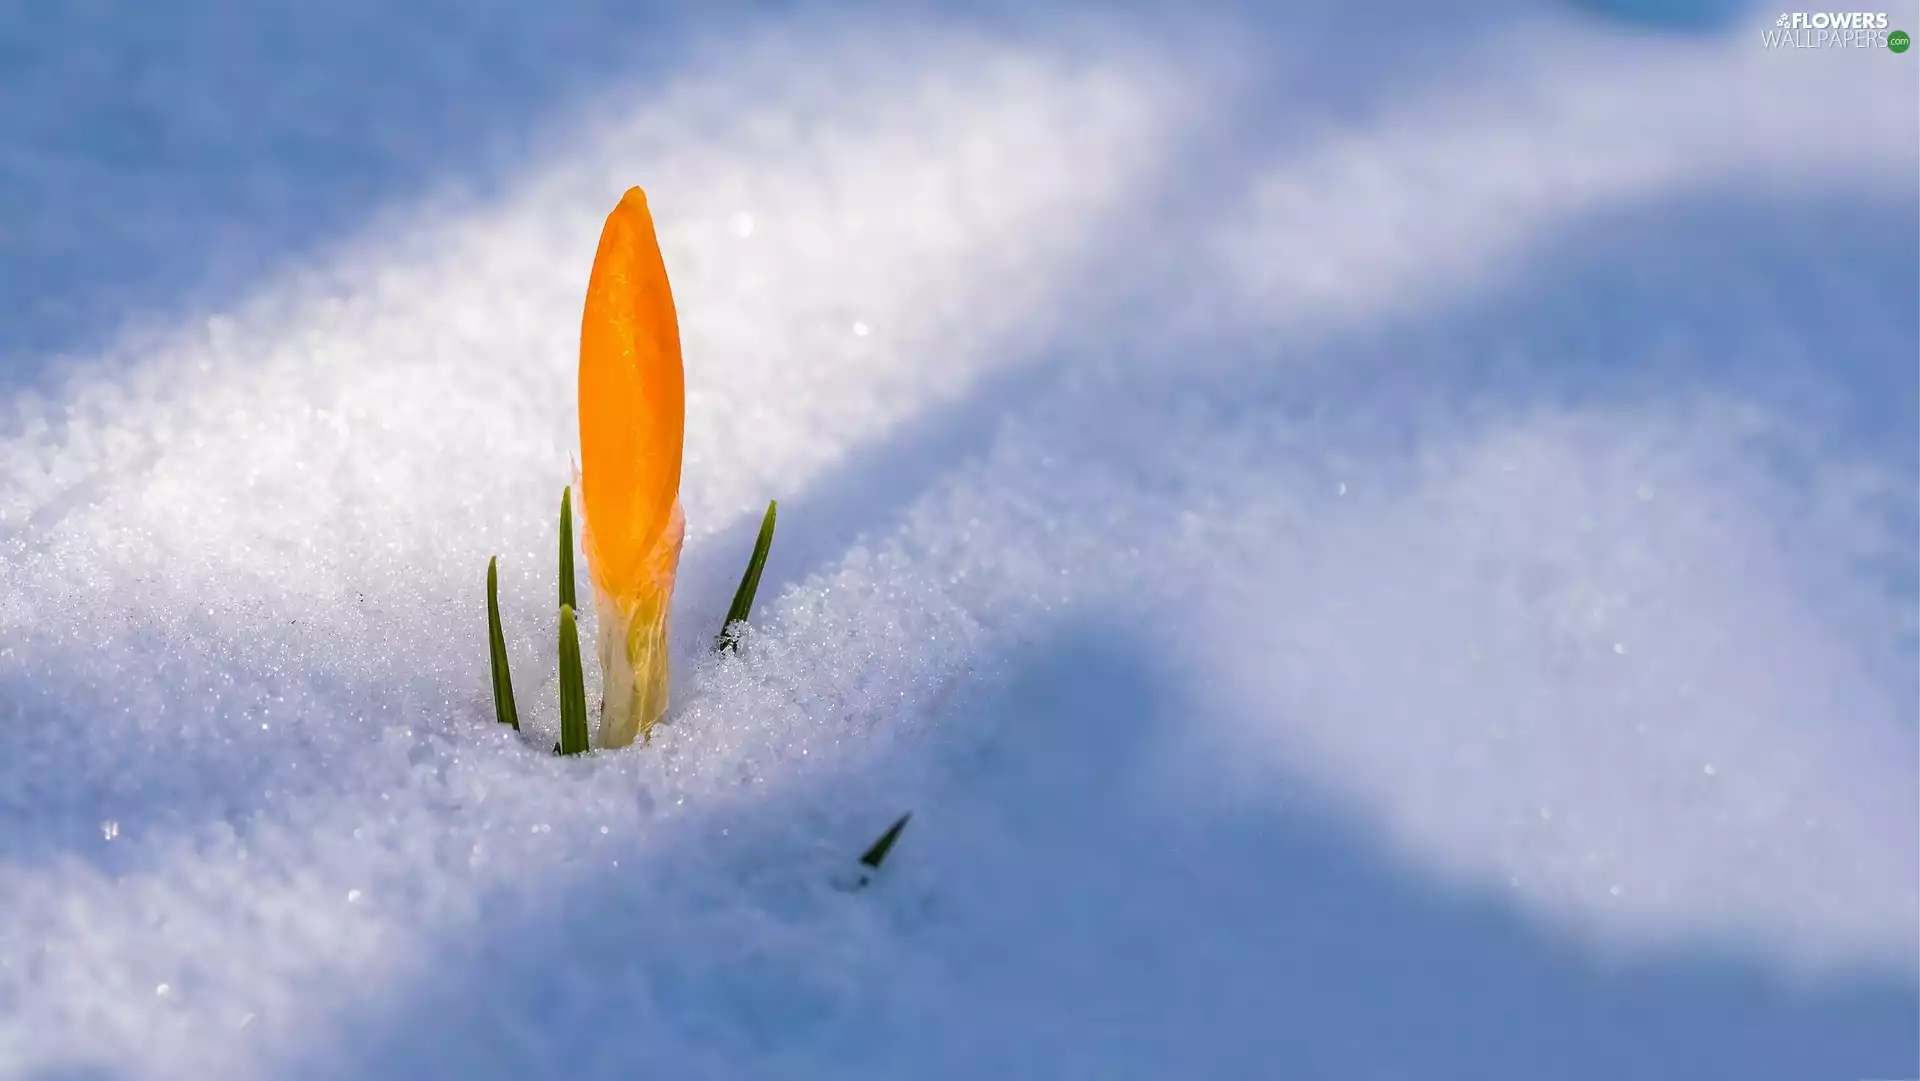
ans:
(877, 854)
(728, 638)
(573, 688)
(567, 597)
(504, 710)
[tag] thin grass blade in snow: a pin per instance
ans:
(632, 426)
(729, 637)
(877, 854)
(503, 707)
(573, 690)
(870, 861)
(567, 598)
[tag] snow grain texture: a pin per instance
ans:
(1310, 647)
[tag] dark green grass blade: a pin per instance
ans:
(567, 599)
(877, 855)
(573, 688)
(749, 582)
(503, 708)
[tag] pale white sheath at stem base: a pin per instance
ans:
(632, 645)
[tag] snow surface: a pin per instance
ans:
(1375, 545)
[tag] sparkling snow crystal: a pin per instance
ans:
(1367, 556)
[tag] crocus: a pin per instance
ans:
(632, 425)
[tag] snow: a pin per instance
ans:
(1362, 564)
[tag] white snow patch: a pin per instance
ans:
(1247, 716)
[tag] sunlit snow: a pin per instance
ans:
(1363, 563)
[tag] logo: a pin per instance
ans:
(1832, 20)
(1834, 30)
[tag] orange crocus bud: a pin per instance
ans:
(632, 426)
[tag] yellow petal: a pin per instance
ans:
(632, 402)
